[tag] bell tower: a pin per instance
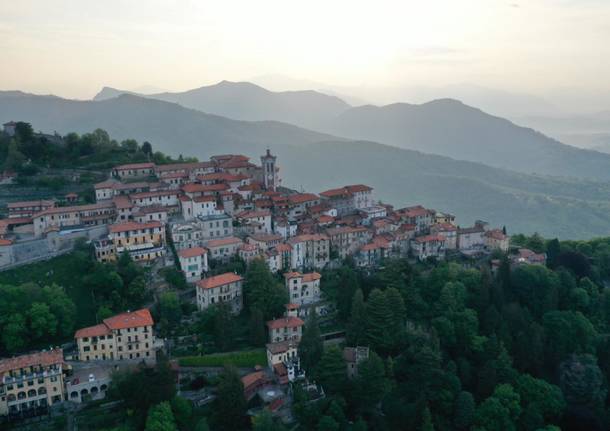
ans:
(270, 175)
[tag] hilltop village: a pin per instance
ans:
(200, 214)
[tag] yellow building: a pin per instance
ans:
(127, 336)
(31, 383)
(143, 241)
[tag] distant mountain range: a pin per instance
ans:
(445, 127)
(246, 101)
(317, 161)
(450, 128)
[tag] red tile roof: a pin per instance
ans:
(92, 331)
(132, 225)
(133, 319)
(192, 252)
(302, 198)
(44, 358)
(429, 238)
(285, 322)
(135, 166)
(219, 280)
(223, 241)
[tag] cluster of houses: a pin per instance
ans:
(31, 383)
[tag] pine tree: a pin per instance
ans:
(257, 327)
(311, 347)
(332, 371)
(357, 323)
(378, 322)
(231, 404)
(263, 291)
(426, 420)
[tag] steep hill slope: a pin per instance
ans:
(246, 101)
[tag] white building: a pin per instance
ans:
(303, 288)
(224, 288)
(193, 261)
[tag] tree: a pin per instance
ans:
(371, 384)
(499, 412)
(183, 411)
(327, 423)
(553, 250)
(541, 399)
(464, 410)
(575, 262)
(257, 327)
(397, 307)
(264, 422)
(426, 420)
(377, 322)
(346, 285)
(231, 405)
(14, 334)
(41, 321)
(224, 326)
(161, 418)
(332, 371)
(263, 291)
(567, 332)
(169, 308)
(581, 381)
(357, 322)
(147, 149)
(311, 347)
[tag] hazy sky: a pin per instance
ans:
(72, 48)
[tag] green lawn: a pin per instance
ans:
(244, 358)
(67, 271)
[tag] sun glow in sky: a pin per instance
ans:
(74, 47)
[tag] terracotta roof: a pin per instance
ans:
(204, 199)
(75, 208)
(223, 241)
(133, 319)
(355, 188)
(39, 203)
(122, 202)
(219, 280)
(44, 358)
(144, 195)
(302, 197)
(310, 276)
(201, 188)
(183, 166)
(132, 225)
(252, 378)
(345, 230)
(283, 247)
(496, 234)
(308, 237)
(135, 166)
(192, 252)
(280, 347)
(285, 322)
(92, 331)
(292, 306)
(416, 211)
(5, 242)
(266, 237)
(429, 238)
(252, 214)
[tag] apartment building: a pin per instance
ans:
(309, 251)
(143, 241)
(28, 208)
(193, 261)
(348, 199)
(288, 328)
(133, 170)
(127, 336)
(30, 383)
(303, 288)
(223, 249)
(224, 288)
(73, 216)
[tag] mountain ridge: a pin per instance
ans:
(317, 161)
